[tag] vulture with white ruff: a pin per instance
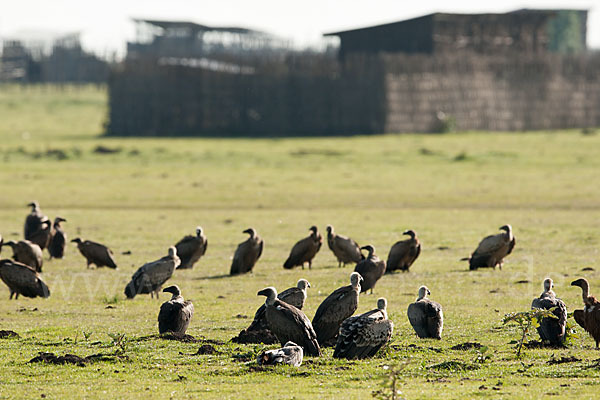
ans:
(404, 253)
(96, 253)
(345, 249)
(492, 250)
(247, 253)
(426, 316)
(175, 315)
(371, 269)
(27, 253)
(34, 221)
(305, 250)
(191, 248)
(362, 336)
(290, 354)
(58, 239)
(150, 277)
(22, 280)
(551, 329)
(289, 324)
(338, 306)
(589, 317)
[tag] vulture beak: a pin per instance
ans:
(264, 292)
(575, 283)
(428, 292)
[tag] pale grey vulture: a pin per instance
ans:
(22, 279)
(345, 249)
(289, 323)
(34, 221)
(362, 336)
(175, 315)
(371, 269)
(589, 317)
(551, 329)
(295, 296)
(150, 277)
(404, 253)
(27, 253)
(58, 240)
(492, 249)
(290, 354)
(247, 253)
(305, 250)
(426, 316)
(191, 248)
(95, 253)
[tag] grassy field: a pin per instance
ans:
(452, 189)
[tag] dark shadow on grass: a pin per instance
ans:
(204, 278)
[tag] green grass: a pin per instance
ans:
(452, 189)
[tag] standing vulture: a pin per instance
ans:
(404, 253)
(426, 316)
(289, 324)
(96, 253)
(34, 221)
(589, 317)
(492, 250)
(58, 240)
(371, 269)
(247, 253)
(191, 248)
(27, 253)
(305, 250)
(338, 306)
(22, 279)
(42, 236)
(345, 249)
(294, 296)
(551, 329)
(362, 336)
(175, 315)
(290, 354)
(150, 277)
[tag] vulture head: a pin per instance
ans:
(172, 252)
(271, 294)
(58, 220)
(303, 284)
(329, 229)
(290, 344)
(548, 284)
(76, 240)
(410, 233)
(34, 206)
(382, 305)
(423, 292)
(370, 249)
(251, 232)
(198, 231)
(174, 290)
(584, 285)
(355, 280)
(508, 229)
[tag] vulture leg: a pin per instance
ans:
(303, 266)
(309, 264)
(11, 295)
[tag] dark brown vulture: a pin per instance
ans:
(35, 220)
(362, 336)
(22, 279)
(294, 296)
(492, 250)
(96, 253)
(589, 317)
(27, 253)
(305, 250)
(289, 324)
(426, 316)
(42, 236)
(247, 253)
(345, 249)
(371, 269)
(150, 277)
(338, 306)
(191, 248)
(58, 239)
(551, 329)
(404, 253)
(175, 315)
(290, 354)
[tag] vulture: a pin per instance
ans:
(551, 329)
(175, 314)
(338, 306)
(22, 279)
(371, 269)
(492, 250)
(34, 220)
(426, 316)
(150, 277)
(27, 253)
(362, 336)
(345, 249)
(294, 296)
(404, 253)
(305, 250)
(589, 317)
(96, 253)
(42, 236)
(289, 324)
(247, 253)
(58, 240)
(191, 248)
(290, 354)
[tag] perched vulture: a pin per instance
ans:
(589, 317)
(42, 236)
(404, 253)
(551, 329)
(345, 249)
(305, 250)
(426, 316)
(96, 253)
(492, 250)
(191, 248)
(338, 306)
(247, 253)
(294, 296)
(289, 323)
(58, 239)
(27, 253)
(22, 279)
(371, 269)
(34, 220)
(150, 277)
(362, 336)
(290, 354)
(175, 314)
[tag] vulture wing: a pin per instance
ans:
(551, 329)
(186, 248)
(301, 252)
(175, 316)
(57, 244)
(348, 249)
(338, 306)
(397, 254)
(579, 317)
(426, 318)
(290, 324)
(23, 279)
(489, 245)
(292, 296)
(362, 336)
